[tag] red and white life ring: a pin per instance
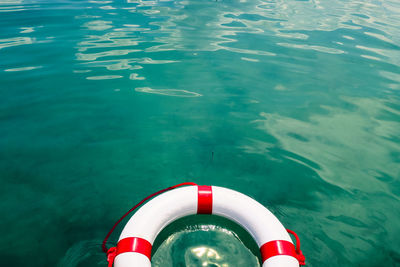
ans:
(135, 242)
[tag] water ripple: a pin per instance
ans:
(24, 68)
(168, 92)
(338, 142)
(111, 53)
(104, 77)
(323, 49)
(16, 41)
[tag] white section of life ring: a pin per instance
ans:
(151, 218)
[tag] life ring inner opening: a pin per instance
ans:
(206, 241)
(200, 223)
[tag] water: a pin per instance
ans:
(295, 103)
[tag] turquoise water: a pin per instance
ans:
(295, 103)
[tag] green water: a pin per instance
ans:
(294, 103)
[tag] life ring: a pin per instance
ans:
(135, 242)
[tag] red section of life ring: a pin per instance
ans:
(134, 244)
(277, 247)
(204, 202)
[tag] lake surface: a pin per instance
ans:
(294, 103)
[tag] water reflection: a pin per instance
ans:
(351, 148)
(211, 246)
(169, 92)
(24, 68)
(27, 29)
(206, 255)
(104, 77)
(16, 41)
(98, 25)
(313, 47)
(153, 29)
